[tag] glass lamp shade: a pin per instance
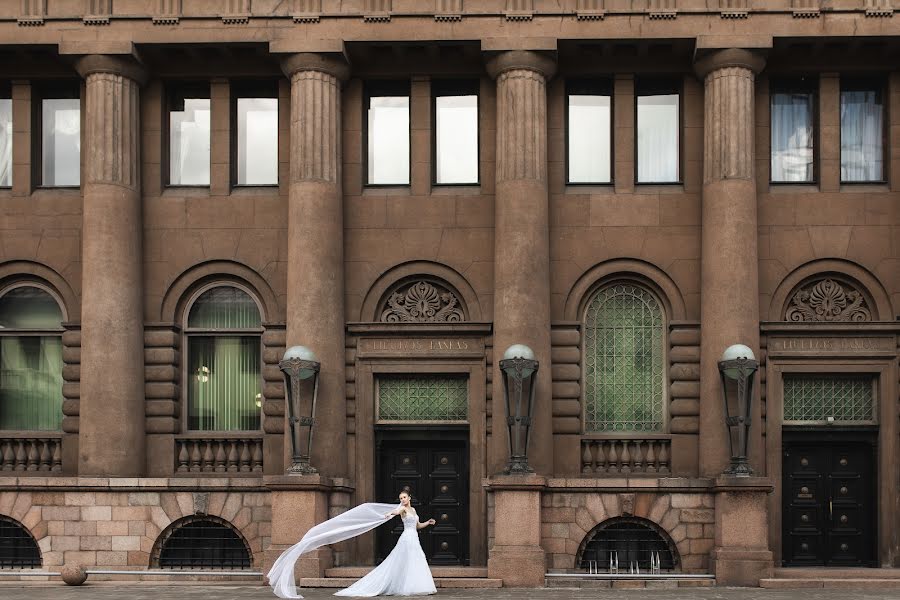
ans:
(301, 353)
(519, 351)
(736, 352)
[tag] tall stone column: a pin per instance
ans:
(522, 243)
(315, 292)
(729, 289)
(111, 423)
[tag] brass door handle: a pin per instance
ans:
(830, 509)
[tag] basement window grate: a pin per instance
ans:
(634, 544)
(201, 543)
(18, 550)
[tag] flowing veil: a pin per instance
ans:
(352, 523)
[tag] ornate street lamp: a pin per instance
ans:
(299, 366)
(519, 371)
(738, 365)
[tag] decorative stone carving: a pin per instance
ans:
(828, 300)
(422, 302)
(590, 10)
(201, 503)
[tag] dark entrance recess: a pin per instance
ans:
(433, 465)
(828, 496)
(201, 543)
(18, 550)
(632, 540)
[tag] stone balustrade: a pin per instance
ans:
(604, 456)
(219, 455)
(42, 454)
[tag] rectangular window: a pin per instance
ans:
(189, 114)
(455, 132)
(862, 131)
(387, 133)
(256, 108)
(812, 399)
(589, 123)
(793, 131)
(224, 385)
(658, 131)
(6, 137)
(423, 398)
(60, 135)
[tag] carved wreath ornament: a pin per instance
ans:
(422, 303)
(828, 300)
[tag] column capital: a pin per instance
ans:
(333, 64)
(529, 60)
(753, 60)
(124, 65)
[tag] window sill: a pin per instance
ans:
(462, 189)
(794, 188)
(387, 190)
(865, 187)
(659, 188)
(255, 190)
(195, 191)
(589, 188)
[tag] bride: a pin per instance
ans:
(404, 572)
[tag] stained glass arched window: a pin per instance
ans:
(223, 368)
(30, 360)
(624, 361)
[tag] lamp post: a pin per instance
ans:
(519, 370)
(738, 365)
(299, 366)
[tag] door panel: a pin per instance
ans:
(829, 501)
(436, 472)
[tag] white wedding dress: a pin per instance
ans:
(404, 572)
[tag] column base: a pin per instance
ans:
(518, 566)
(741, 567)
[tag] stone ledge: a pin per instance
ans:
(637, 484)
(131, 484)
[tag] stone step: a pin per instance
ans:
(441, 582)
(835, 573)
(631, 584)
(454, 572)
(850, 583)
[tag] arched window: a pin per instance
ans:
(18, 550)
(624, 379)
(201, 543)
(223, 361)
(30, 359)
(631, 542)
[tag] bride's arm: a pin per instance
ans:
(393, 513)
(425, 524)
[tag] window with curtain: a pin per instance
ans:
(387, 133)
(658, 131)
(256, 109)
(189, 134)
(862, 131)
(30, 360)
(589, 123)
(624, 377)
(60, 129)
(6, 136)
(455, 132)
(223, 367)
(793, 131)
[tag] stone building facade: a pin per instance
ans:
(644, 183)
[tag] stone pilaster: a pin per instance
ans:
(522, 246)
(315, 301)
(111, 434)
(729, 266)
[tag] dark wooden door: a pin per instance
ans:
(433, 466)
(829, 501)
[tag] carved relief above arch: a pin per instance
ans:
(829, 291)
(634, 270)
(421, 292)
(177, 295)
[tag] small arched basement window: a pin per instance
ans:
(201, 543)
(633, 540)
(18, 550)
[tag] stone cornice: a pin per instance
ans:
(333, 64)
(529, 60)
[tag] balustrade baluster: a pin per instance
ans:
(638, 454)
(44, 455)
(245, 456)
(182, 457)
(232, 457)
(663, 458)
(651, 456)
(221, 457)
(626, 457)
(257, 457)
(613, 457)
(20, 455)
(587, 463)
(195, 457)
(33, 455)
(56, 457)
(208, 465)
(8, 456)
